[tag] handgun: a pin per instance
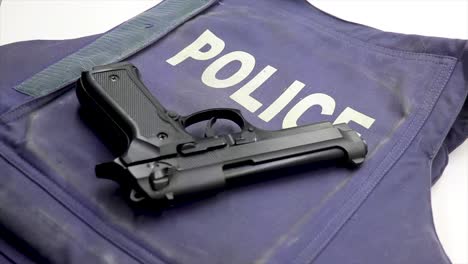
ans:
(158, 159)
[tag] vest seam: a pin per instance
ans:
(303, 256)
(357, 41)
(71, 203)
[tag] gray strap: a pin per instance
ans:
(118, 44)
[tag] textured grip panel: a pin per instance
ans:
(128, 95)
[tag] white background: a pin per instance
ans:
(60, 19)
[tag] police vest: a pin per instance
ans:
(283, 64)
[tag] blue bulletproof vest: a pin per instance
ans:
(283, 64)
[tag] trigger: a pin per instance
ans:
(135, 196)
(209, 132)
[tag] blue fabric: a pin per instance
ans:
(33, 56)
(121, 42)
(411, 89)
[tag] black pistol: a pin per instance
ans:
(159, 160)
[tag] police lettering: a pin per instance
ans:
(243, 95)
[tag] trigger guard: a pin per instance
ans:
(233, 115)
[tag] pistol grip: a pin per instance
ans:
(118, 94)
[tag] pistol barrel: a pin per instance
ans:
(234, 173)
